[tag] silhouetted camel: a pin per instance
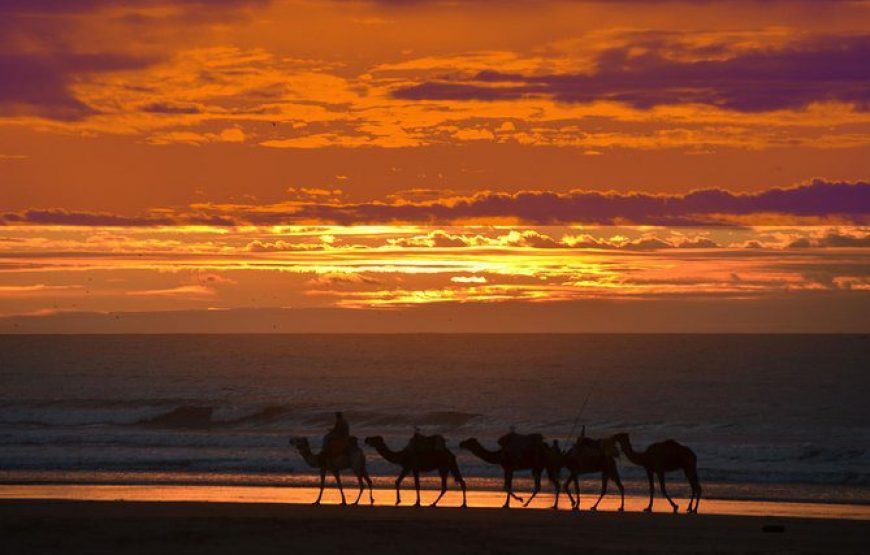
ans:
(422, 454)
(352, 459)
(530, 453)
(588, 456)
(662, 457)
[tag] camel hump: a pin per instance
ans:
(674, 449)
(677, 447)
(589, 443)
(520, 442)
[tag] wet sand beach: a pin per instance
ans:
(216, 528)
(250, 525)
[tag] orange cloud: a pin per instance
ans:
(180, 291)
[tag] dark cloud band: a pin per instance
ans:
(820, 200)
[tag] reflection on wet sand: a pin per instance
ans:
(385, 497)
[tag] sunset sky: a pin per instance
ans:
(330, 165)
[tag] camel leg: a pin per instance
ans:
(649, 476)
(359, 470)
(368, 480)
(692, 476)
(443, 487)
(692, 495)
(604, 481)
(535, 491)
(621, 491)
(417, 487)
(402, 474)
(568, 491)
(508, 487)
(557, 487)
(457, 476)
(674, 506)
(337, 475)
(577, 491)
(361, 489)
(322, 485)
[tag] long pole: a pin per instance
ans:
(585, 402)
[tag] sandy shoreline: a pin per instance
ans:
(43, 526)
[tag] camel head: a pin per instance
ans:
(374, 441)
(620, 439)
(299, 442)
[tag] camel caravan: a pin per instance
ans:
(515, 453)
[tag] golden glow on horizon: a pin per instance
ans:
(46, 269)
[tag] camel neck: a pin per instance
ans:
(308, 456)
(388, 454)
(492, 457)
(629, 451)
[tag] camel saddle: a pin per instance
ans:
(420, 443)
(605, 447)
(335, 445)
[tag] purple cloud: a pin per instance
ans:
(38, 65)
(53, 7)
(38, 84)
(170, 108)
(73, 218)
(832, 239)
(822, 69)
(820, 199)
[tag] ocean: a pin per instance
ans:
(769, 416)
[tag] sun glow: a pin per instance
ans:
(108, 269)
